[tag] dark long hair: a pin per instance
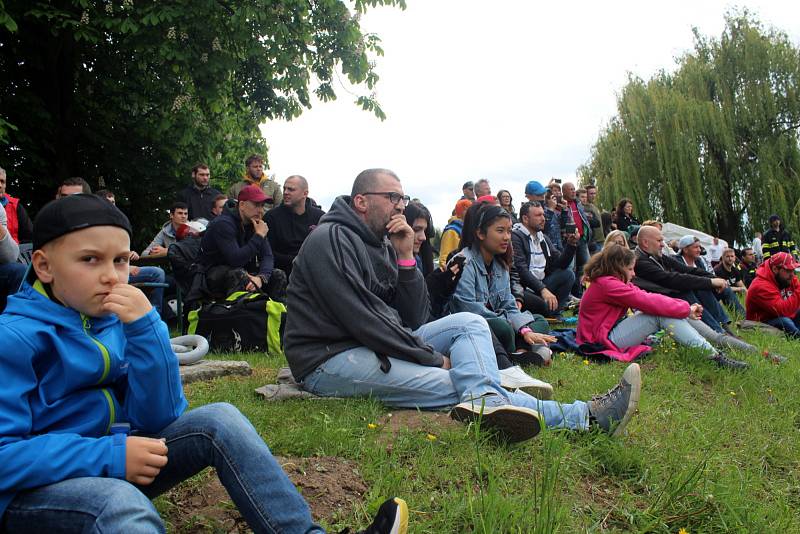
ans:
(415, 211)
(480, 217)
(621, 208)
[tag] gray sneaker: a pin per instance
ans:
(512, 423)
(612, 411)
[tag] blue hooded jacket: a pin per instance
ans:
(66, 379)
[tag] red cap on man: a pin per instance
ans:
(253, 193)
(783, 260)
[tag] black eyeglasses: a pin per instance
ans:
(393, 197)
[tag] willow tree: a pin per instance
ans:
(713, 145)
(136, 92)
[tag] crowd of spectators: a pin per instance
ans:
(371, 310)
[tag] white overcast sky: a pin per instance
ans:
(504, 90)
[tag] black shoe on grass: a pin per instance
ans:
(728, 363)
(392, 518)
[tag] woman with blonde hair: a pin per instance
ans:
(616, 237)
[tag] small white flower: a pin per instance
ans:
(171, 33)
(184, 36)
(216, 46)
(204, 58)
(110, 9)
(85, 18)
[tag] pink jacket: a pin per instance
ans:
(607, 300)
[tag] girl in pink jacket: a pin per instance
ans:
(603, 321)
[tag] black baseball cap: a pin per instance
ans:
(73, 213)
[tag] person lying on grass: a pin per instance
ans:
(602, 317)
(93, 421)
(356, 327)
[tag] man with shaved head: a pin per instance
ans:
(356, 327)
(666, 275)
(291, 222)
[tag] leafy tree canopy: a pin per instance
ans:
(714, 145)
(132, 93)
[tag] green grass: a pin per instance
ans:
(709, 451)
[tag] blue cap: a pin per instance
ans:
(534, 188)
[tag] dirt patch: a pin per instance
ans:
(332, 486)
(428, 424)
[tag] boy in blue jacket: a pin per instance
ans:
(93, 420)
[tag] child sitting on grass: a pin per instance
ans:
(93, 420)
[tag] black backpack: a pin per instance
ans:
(243, 322)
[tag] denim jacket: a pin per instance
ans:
(486, 293)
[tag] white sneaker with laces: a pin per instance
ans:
(515, 378)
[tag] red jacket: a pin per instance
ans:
(765, 300)
(607, 300)
(11, 215)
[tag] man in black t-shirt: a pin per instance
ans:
(728, 270)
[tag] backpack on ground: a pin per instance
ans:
(243, 322)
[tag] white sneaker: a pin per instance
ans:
(515, 378)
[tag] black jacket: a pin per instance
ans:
(287, 231)
(199, 202)
(522, 258)
(228, 242)
(668, 276)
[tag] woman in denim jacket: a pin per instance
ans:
(485, 286)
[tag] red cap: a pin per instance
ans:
(783, 260)
(491, 199)
(253, 193)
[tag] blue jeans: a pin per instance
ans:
(11, 275)
(787, 324)
(149, 275)
(714, 314)
(214, 435)
(729, 297)
(466, 338)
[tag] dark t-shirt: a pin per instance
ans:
(733, 276)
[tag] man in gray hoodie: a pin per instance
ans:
(11, 272)
(357, 308)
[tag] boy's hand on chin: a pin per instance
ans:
(127, 302)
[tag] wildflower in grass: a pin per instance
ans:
(683, 531)
(585, 362)
(733, 393)
(431, 437)
(372, 426)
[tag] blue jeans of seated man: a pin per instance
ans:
(729, 297)
(151, 274)
(714, 314)
(214, 435)
(634, 330)
(466, 338)
(787, 324)
(11, 275)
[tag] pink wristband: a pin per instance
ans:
(524, 330)
(407, 263)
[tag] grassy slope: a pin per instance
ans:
(709, 451)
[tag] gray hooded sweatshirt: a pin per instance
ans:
(346, 291)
